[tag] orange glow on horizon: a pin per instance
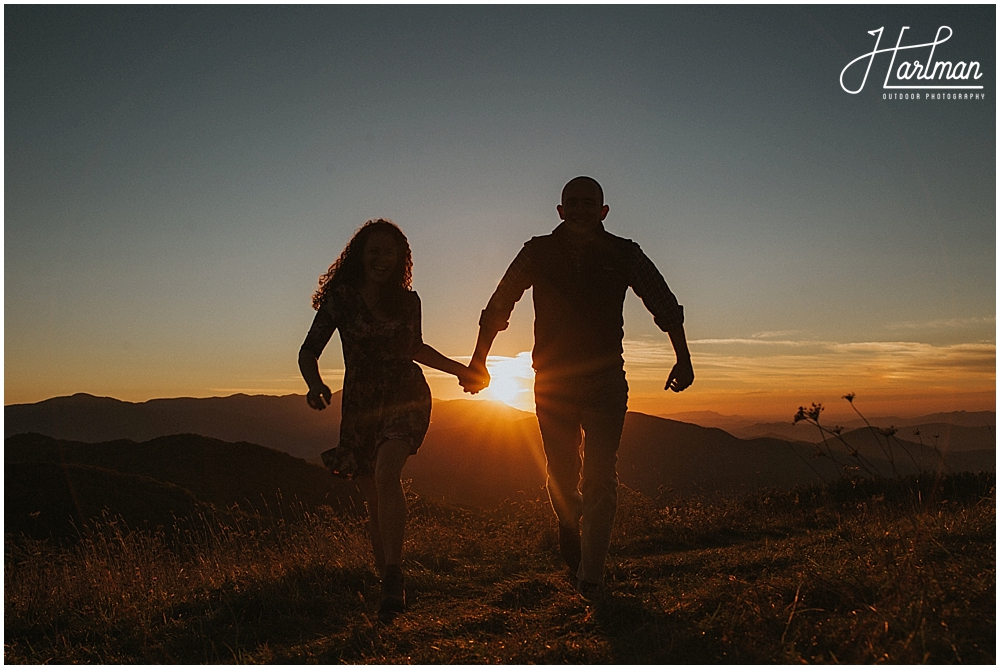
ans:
(765, 379)
(897, 379)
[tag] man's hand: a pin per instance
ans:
(681, 376)
(475, 380)
(319, 397)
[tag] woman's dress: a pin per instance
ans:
(385, 395)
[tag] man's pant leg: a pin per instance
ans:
(603, 431)
(560, 428)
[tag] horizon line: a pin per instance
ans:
(759, 417)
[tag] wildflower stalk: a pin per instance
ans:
(811, 416)
(887, 450)
(891, 434)
(937, 451)
(806, 462)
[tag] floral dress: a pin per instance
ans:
(385, 395)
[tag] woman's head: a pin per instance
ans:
(377, 252)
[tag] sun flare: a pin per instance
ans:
(511, 380)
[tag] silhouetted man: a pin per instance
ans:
(579, 274)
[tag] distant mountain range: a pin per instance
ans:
(282, 423)
(960, 418)
(287, 424)
(955, 430)
(181, 454)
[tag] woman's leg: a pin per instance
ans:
(389, 463)
(366, 484)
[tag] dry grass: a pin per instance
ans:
(900, 572)
(224, 585)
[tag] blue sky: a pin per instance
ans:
(177, 177)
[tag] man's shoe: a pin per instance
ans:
(588, 590)
(393, 595)
(569, 546)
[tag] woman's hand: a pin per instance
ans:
(470, 378)
(473, 379)
(319, 397)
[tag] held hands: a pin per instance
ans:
(681, 376)
(319, 397)
(474, 378)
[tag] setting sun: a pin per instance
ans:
(511, 381)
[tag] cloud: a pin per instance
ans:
(754, 341)
(917, 359)
(755, 364)
(943, 323)
(775, 333)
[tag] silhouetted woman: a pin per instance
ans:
(386, 404)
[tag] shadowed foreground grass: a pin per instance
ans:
(900, 572)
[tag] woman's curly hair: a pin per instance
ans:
(349, 268)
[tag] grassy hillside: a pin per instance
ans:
(57, 500)
(855, 572)
(54, 486)
(475, 454)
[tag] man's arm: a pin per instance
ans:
(496, 315)
(478, 363)
(682, 374)
(648, 284)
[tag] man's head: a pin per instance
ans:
(582, 207)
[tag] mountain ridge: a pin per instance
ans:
(286, 423)
(475, 454)
(474, 440)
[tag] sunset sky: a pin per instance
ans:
(177, 177)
